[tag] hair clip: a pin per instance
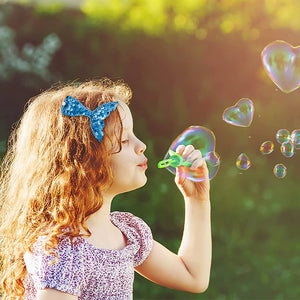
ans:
(72, 107)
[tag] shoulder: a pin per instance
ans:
(125, 217)
(126, 221)
(137, 232)
(64, 246)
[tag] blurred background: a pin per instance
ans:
(186, 61)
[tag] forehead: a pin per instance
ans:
(125, 115)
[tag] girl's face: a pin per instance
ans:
(128, 165)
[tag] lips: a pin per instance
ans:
(143, 164)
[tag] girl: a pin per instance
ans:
(73, 151)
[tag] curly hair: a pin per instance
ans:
(53, 173)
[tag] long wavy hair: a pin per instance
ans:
(53, 173)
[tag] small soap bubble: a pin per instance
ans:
(241, 114)
(280, 170)
(266, 147)
(282, 136)
(287, 149)
(202, 139)
(243, 162)
(295, 137)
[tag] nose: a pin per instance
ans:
(140, 147)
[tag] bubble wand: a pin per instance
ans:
(200, 138)
(175, 160)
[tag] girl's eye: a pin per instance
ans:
(125, 141)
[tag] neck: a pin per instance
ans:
(101, 218)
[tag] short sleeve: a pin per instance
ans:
(64, 273)
(145, 242)
(138, 233)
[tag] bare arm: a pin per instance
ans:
(189, 270)
(51, 294)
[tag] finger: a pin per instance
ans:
(197, 163)
(196, 154)
(188, 150)
(180, 149)
(179, 179)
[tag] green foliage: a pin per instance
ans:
(31, 60)
(186, 61)
(49, 8)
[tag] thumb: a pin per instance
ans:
(179, 178)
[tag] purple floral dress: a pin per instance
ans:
(86, 271)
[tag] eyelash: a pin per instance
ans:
(125, 141)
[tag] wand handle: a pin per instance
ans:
(175, 160)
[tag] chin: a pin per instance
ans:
(140, 184)
(136, 186)
(144, 182)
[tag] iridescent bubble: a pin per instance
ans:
(295, 137)
(266, 147)
(282, 136)
(202, 139)
(212, 158)
(243, 162)
(241, 114)
(287, 149)
(279, 170)
(282, 63)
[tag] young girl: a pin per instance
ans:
(73, 151)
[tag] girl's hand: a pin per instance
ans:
(191, 189)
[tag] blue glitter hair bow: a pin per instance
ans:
(72, 107)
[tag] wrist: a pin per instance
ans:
(205, 200)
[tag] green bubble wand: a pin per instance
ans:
(175, 160)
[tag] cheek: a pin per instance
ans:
(118, 165)
(115, 167)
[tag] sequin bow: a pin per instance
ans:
(72, 107)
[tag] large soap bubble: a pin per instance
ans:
(241, 114)
(282, 63)
(202, 139)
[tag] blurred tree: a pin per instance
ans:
(30, 60)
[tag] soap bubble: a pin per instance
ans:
(266, 147)
(287, 149)
(241, 114)
(202, 139)
(212, 158)
(280, 170)
(282, 63)
(243, 162)
(282, 136)
(295, 137)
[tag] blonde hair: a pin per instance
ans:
(53, 173)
